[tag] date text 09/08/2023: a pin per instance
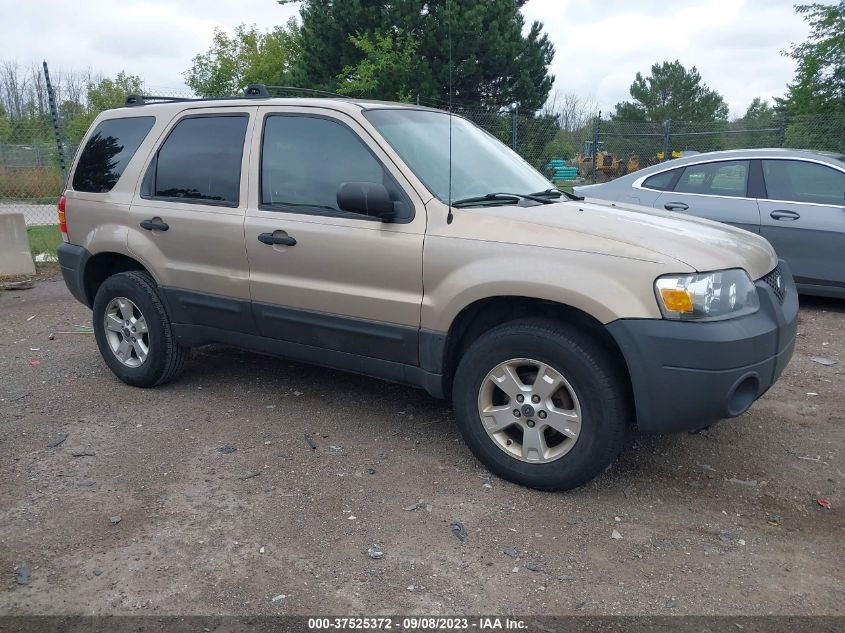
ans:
(419, 623)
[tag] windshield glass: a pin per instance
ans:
(480, 163)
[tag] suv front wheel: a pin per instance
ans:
(133, 331)
(541, 404)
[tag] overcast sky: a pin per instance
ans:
(600, 45)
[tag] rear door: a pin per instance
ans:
(342, 282)
(187, 222)
(716, 191)
(803, 216)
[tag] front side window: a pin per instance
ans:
(726, 178)
(305, 159)
(799, 181)
(480, 164)
(201, 160)
(109, 149)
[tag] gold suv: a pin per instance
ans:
(409, 245)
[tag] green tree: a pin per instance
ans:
(102, 94)
(249, 56)
(819, 85)
(389, 65)
(494, 64)
(672, 92)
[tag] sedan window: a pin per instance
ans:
(800, 181)
(662, 181)
(727, 178)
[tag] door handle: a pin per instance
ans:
(782, 214)
(155, 225)
(283, 240)
(675, 206)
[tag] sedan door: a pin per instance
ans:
(803, 216)
(715, 190)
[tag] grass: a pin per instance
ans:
(30, 183)
(44, 239)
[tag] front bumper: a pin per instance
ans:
(686, 375)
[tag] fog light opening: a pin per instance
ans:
(742, 396)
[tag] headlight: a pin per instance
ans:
(706, 296)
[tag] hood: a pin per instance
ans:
(636, 231)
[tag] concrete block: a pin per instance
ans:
(15, 256)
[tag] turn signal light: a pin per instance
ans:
(676, 299)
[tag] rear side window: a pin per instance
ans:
(727, 178)
(662, 181)
(107, 152)
(799, 181)
(200, 161)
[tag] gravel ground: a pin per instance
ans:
(138, 510)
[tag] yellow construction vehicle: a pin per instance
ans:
(607, 163)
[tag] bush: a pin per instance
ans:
(43, 184)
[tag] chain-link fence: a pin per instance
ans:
(618, 147)
(31, 176)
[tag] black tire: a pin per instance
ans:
(592, 372)
(166, 356)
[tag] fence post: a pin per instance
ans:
(54, 113)
(596, 126)
(784, 123)
(514, 128)
(667, 126)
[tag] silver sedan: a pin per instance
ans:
(793, 198)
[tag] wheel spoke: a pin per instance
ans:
(547, 382)
(508, 381)
(566, 422)
(124, 350)
(497, 419)
(533, 444)
(113, 323)
(141, 350)
(140, 325)
(125, 309)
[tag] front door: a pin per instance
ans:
(803, 216)
(320, 276)
(186, 225)
(715, 191)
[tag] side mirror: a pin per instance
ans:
(366, 198)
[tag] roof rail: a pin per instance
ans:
(139, 100)
(252, 91)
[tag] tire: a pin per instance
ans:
(594, 387)
(164, 357)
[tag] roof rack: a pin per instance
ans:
(252, 91)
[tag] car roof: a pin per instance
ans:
(738, 154)
(172, 107)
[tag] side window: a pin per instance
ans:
(799, 181)
(662, 181)
(200, 161)
(305, 159)
(726, 178)
(109, 149)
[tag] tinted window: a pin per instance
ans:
(108, 151)
(797, 181)
(305, 159)
(728, 178)
(660, 182)
(201, 159)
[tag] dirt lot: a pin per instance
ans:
(722, 522)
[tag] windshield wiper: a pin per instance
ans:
(557, 193)
(499, 197)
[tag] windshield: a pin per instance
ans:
(480, 163)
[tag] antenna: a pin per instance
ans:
(450, 216)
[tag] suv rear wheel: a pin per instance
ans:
(133, 331)
(541, 404)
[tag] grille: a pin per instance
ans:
(776, 282)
